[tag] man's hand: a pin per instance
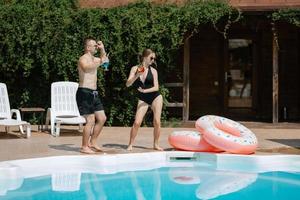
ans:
(100, 45)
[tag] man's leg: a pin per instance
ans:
(157, 107)
(100, 120)
(90, 121)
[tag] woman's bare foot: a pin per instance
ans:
(129, 148)
(86, 150)
(158, 148)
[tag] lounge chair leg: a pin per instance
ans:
(52, 129)
(21, 129)
(47, 119)
(6, 129)
(28, 130)
(57, 129)
(80, 127)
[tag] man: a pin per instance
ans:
(87, 96)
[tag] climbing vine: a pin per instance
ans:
(290, 15)
(41, 41)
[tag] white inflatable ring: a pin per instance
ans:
(190, 141)
(226, 134)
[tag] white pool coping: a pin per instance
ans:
(110, 164)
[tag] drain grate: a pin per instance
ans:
(183, 158)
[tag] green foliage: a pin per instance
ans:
(41, 41)
(290, 15)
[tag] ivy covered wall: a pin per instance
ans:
(41, 41)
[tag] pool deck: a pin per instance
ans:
(282, 138)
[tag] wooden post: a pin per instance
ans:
(186, 80)
(275, 79)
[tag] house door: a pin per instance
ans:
(240, 78)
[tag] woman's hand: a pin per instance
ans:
(138, 73)
(141, 90)
(134, 74)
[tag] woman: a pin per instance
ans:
(145, 78)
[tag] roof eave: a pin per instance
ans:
(266, 7)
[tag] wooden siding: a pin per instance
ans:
(265, 73)
(205, 64)
(289, 71)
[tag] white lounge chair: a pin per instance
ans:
(64, 109)
(6, 113)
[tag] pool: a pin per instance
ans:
(161, 175)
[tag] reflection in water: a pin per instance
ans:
(212, 183)
(11, 178)
(93, 187)
(139, 190)
(184, 175)
(175, 183)
(65, 181)
(223, 183)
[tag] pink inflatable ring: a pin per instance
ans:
(190, 141)
(226, 134)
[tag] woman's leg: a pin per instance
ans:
(142, 108)
(157, 107)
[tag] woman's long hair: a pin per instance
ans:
(146, 53)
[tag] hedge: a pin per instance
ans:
(41, 41)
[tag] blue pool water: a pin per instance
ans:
(170, 183)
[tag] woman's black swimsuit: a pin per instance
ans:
(148, 83)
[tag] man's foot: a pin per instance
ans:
(86, 150)
(129, 148)
(158, 148)
(95, 148)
